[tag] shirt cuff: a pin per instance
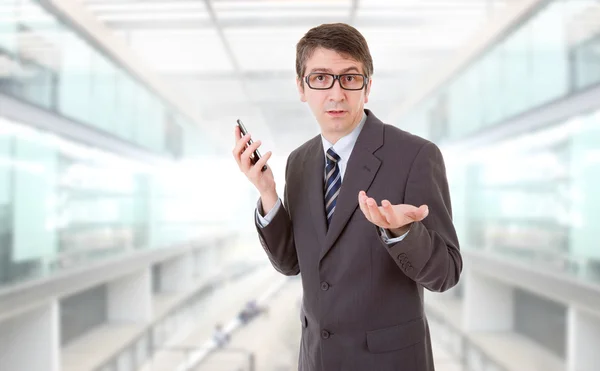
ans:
(263, 221)
(387, 237)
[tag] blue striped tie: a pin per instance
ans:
(333, 183)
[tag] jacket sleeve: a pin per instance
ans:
(277, 237)
(430, 253)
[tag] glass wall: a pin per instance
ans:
(534, 197)
(45, 62)
(555, 52)
(63, 204)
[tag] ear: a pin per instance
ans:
(300, 86)
(368, 90)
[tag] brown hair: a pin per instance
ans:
(339, 37)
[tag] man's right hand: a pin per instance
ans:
(262, 180)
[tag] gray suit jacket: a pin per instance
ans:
(363, 300)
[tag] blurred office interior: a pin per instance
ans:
(126, 229)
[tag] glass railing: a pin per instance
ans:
(139, 352)
(44, 61)
(469, 355)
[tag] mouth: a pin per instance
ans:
(336, 113)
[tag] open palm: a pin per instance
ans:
(388, 216)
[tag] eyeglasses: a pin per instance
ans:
(324, 81)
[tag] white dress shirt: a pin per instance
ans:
(343, 147)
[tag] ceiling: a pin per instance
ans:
(236, 58)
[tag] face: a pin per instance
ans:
(338, 111)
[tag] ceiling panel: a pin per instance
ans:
(236, 58)
(414, 48)
(265, 49)
(207, 92)
(181, 51)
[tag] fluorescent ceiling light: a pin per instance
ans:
(430, 4)
(422, 13)
(265, 5)
(154, 16)
(246, 14)
(386, 3)
(143, 7)
(266, 32)
(182, 35)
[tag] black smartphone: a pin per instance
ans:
(256, 155)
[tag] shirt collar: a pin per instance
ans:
(343, 147)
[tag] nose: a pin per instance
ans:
(336, 93)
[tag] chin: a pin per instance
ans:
(338, 125)
(334, 124)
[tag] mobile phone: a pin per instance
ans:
(256, 155)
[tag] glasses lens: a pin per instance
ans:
(320, 81)
(352, 82)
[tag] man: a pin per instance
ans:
(220, 337)
(363, 265)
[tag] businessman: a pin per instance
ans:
(365, 218)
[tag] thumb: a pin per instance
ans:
(423, 211)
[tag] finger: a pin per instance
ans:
(239, 146)
(388, 213)
(365, 207)
(241, 140)
(237, 133)
(362, 203)
(418, 214)
(245, 157)
(376, 216)
(257, 168)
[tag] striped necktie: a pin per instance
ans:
(333, 183)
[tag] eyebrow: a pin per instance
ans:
(329, 70)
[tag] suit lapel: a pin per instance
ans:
(315, 178)
(360, 172)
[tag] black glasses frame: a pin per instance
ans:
(335, 77)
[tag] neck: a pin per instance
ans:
(333, 137)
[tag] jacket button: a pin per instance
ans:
(325, 334)
(324, 286)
